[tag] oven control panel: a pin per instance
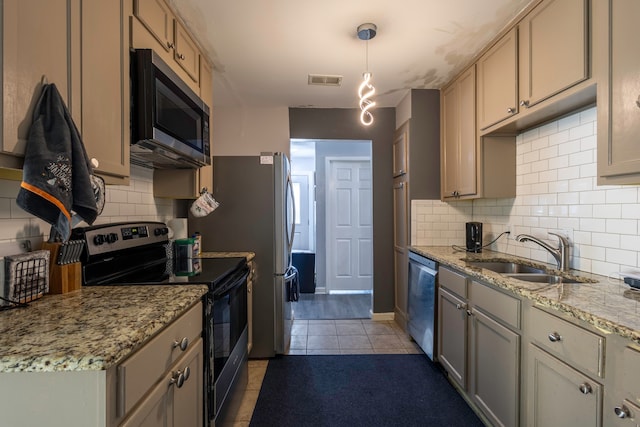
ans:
(105, 238)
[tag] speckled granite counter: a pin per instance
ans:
(607, 304)
(248, 255)
(89, 329)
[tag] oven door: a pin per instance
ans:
(229, 328)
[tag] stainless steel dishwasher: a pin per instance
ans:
(421, 310)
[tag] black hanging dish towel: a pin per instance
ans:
(56, 178)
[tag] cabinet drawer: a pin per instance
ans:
(631, 378)
(143, 369)
(453, 281)
(497, 304)
(573, 344)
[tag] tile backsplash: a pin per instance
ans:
(123, 203)
(557, 191)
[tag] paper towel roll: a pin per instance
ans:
(178, 228)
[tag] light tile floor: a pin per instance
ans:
(354, 336)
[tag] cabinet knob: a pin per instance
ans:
(181, 56)
(555, 337)
(511, 110)
(524, 103)
(461, 306)
(622, 411)
(170, 45)
(183, 343)
(177, 378)
(469, 313)
(585, 388)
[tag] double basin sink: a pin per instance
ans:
(523, 272)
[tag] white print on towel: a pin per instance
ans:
(59, 173)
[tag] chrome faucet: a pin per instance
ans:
(561, 254)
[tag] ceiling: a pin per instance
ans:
(263, 51)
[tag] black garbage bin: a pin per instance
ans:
(305, 262)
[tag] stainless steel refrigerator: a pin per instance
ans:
(256, 214)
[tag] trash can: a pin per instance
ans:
(305, 262)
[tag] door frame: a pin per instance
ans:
(311, 180)
(327, 210)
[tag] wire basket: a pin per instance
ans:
(26, 278)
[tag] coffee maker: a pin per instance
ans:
(474, 237)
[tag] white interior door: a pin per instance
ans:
(303, 197)
(349, 225)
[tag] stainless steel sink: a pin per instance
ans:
(550, 279)
(506, 267)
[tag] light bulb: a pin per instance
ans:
(365, 92)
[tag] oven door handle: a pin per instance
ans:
(232, 284)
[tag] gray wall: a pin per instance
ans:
(335, 123)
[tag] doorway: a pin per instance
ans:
(334, 199)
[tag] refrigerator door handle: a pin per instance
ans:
(291, 235)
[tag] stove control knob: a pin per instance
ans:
(112, 238)
(98, 239)
(161, 231)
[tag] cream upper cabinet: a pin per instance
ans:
(105, 88)
(28, 60)
(458, 144)
(155, 26)
(544, 55)
(618, 92)
(498, 81)
(553, 49)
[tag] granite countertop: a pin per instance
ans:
(606, 303)
(92, 328)
(248, 255)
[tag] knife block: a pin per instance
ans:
(62, 278)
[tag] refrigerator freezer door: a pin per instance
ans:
(284, 213)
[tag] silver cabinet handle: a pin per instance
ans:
(399, 186)
(555, 337)
(461, 306)
(183, 343)
(181, 56)
(511, 110)
(585, 388)
(170, 45)
(622, 411)
(469, 313)
(524, 103)
(179, 377)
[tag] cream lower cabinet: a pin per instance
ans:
(560, 395)
(565, 372)
(479, 345)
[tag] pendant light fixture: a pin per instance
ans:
(366, 90)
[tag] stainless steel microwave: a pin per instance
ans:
(169, 121)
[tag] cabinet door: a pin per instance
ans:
(186, 53)
(559, 395)
(40, 39)
(157, 18)
(400, 150)
(498, 81)
(495, 370)
(188, 400)
(400, 238)
(452, 336)
(553, 51)
(467, 170)
(105, 88)
(450, 148)
(619, 101)
(458, 149)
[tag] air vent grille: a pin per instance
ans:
(324, 80)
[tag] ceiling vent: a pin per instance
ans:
(324, 80)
